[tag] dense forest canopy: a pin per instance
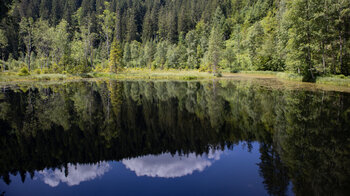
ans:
(309, 37)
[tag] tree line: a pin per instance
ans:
(309, 37)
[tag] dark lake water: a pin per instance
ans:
(233, 137)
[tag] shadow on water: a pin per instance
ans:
(303, 135)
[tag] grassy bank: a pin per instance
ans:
(338, 80)
(14, 77)
(147, 74)
(156, 74)
(129, 74)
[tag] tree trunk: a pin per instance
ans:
(340, 43)
(323, 58)
(214, 69)
(334, 63)
(29, 53)
(107, 42)
(341, 52)
(92, 56)
(3, 62)
(308, 58)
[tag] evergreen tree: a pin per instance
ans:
(115, 58)
(131, 26)
(216, 40)
(309, 37)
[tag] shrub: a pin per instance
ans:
(98, 68)
(85, 75)
(45, 71)
(37, 71)
(153, 67)
(218, 74)
(23, 71)
(234, 70)
(190, 77)
(341, 76)
(45, 78)
(56, 68)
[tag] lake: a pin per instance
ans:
(212, 137)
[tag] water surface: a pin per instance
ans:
(229, 137)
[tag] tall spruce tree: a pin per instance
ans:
(115, 58)
(216, 40)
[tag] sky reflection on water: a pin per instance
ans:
(219, 172)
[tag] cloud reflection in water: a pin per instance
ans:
(168, 166)
(76, 174)
(164, 166)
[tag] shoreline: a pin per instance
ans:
(11, 78)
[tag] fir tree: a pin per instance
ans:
(115, 57)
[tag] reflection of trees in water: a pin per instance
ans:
(273, 171)
(304, 135)
(314, 143)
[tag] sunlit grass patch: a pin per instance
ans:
(339, 80)
(289, 76)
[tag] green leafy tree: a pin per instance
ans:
(3, 45)
(160, 55)
(172, 57)
(135, 51)
(301, 42)
(60, 41)
(85, 35)
(26, 27)
(107, 21)
(43, 40)
(149, 51)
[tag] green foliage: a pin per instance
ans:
(107, 22)
(37, 71)
(3, 39)
(307, 37)
(190, 78)
(115, 58)
(27, 34)
(23, 72)
(216, 41)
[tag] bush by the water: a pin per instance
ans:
(218, 74)
(37, 71)
(23, 71)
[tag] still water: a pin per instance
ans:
(228, 137)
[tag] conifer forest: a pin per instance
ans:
(307, 37)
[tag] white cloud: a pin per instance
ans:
(76, 174)
(168, 166)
